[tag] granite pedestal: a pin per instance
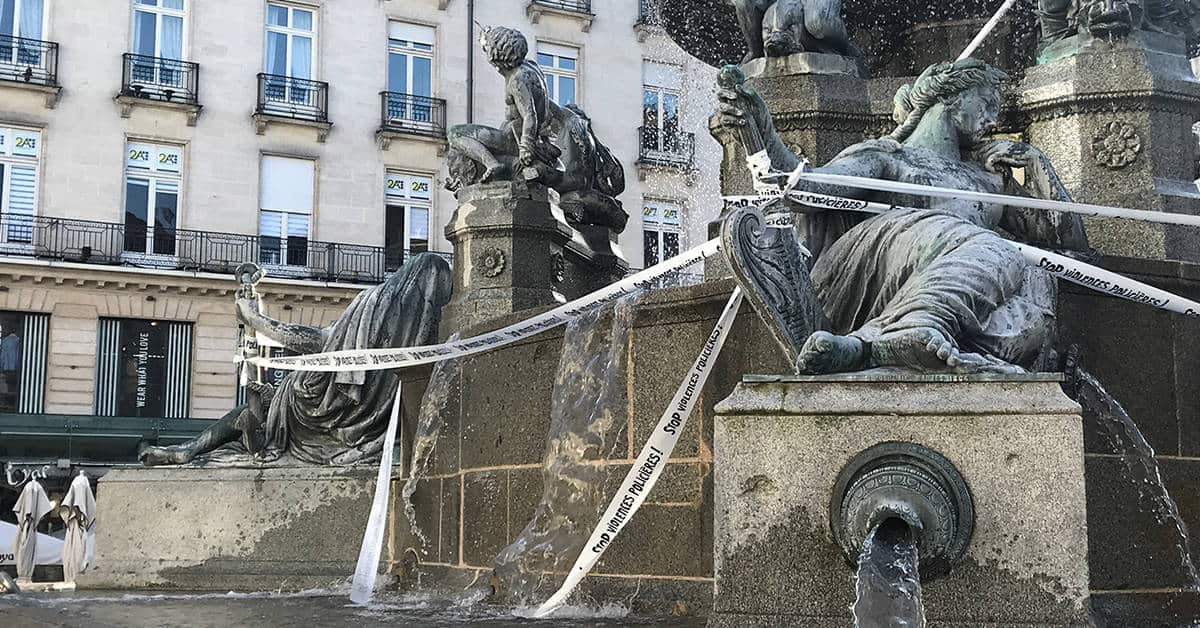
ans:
(290, 528)
(780, 443)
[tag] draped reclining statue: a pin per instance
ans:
(324, 418)
(930, 285)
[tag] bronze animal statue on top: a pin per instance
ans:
(777, 28)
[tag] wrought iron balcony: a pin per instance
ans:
(165, 80)
(574, 6)
(664, 147)
(295, 98)
(103, 243)
(28, 61)
(415, 115)
(648, 13)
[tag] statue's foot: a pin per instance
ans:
(154, 456)
(824, 353)
(927, 349)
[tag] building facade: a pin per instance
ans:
(148, 147)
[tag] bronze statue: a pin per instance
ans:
(777, 28)
(539, 141)
(325, 418)
(1115, 19)
(934, 288)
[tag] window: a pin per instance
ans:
(660, 231)
(410, 72)
(23, 361)
(660, 107)
(18, 186)
(406, 224)
(143, 368)
(152, 176)
(22, 19)
(291, 52)
(158, 33)
(286, 190)
(560, 64)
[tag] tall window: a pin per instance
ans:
(18, 185)
(660, 231)
(23, 354)
(21, 19)
(660, 107)
(286, 189)
(291, 51)
(152, 175)
(406, 225)
(410, 71)
(157, 33)
(561, 66)
(143, 368)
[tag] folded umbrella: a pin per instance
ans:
(32, 505)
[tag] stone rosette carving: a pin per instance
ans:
(1116, 145)
(492, 263)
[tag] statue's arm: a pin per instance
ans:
(1036, 226)
(530, 121)
(298, 338)
(861, 160)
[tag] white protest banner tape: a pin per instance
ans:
(381, 359)
(362, 588)
(1001, 199)
(1061, 266)
(1107, 282)
(651, 461)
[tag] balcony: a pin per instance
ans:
(414, 116)
(293, 100)
(579, 9)
(167, 83)
(112, 244)
(30, 63)
(663, 148)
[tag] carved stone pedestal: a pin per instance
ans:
(508, 253)
(1116, 120)
(780, 445)
(819, 104)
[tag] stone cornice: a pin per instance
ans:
(1109, 102)
(15, 273)
(829, 121)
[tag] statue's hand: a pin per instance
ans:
(738, 107)
(526, 155)
(999, 155)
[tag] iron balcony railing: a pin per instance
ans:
(154, 78)
(648, 13)
(103, 243)
(296, 98)
(417, 115)
(575, 6)
(28, 61)
(665, 147)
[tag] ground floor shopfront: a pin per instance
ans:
(95, 360)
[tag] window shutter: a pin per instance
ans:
(33, 359)
(414, 33)
(287, 184)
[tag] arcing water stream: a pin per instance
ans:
(590, 383)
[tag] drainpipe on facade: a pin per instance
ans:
(470, 61)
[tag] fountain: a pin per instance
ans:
(898, 481)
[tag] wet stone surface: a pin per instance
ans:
(88, 609)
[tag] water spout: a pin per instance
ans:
(888, 585)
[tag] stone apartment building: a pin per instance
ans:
(148, 147)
